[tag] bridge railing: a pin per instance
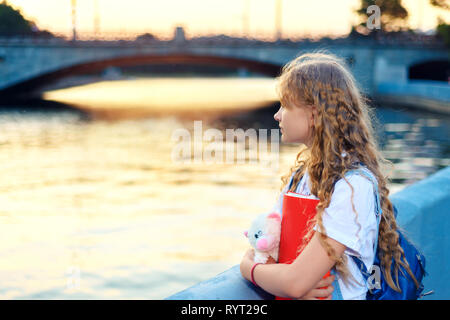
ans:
(121, 38)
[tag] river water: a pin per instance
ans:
(96, 206)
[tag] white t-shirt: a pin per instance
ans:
(341, 224)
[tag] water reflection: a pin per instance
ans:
(107, 198)
(191, 98)
(418, 144)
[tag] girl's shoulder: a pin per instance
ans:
(354, 183)
(359, 177)
(357, 189)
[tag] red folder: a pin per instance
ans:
(298, 210)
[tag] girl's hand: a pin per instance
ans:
(316, 293)
(270, 260)
(247, 263)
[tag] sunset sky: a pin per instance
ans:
(202, 17)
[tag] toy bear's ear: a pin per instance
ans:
(246, 233)
(274, 215)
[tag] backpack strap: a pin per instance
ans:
(292, 178)
(378, 212)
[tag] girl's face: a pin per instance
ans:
(296, 124)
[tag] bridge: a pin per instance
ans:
(387, 71)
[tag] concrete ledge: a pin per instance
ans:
(228, 285)
(424, 214)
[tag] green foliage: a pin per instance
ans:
(12, 22)
(443, 31)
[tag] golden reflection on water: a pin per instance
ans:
(107, 199)
(193, 97)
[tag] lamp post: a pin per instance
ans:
(278, 18)
(74, 20)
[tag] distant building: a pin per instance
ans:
(179, 36)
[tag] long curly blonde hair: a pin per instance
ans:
(344, 123)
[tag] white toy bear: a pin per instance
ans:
(264, 236)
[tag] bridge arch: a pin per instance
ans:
(38, 81)
(438, 70)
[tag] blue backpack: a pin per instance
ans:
(380, 290)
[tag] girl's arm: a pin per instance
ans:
(296, 279)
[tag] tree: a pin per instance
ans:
(443, 4)
(443, 28)
(146, 37)
(13, 23)
(393, 15)
(443, 31)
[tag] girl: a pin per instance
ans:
(323, 109)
